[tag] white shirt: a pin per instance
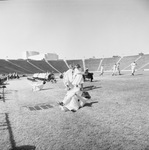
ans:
(77, 78)
(114, 68)
(133, 65)
(68, 77)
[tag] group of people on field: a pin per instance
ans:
(13, 75)
(74, 98)
(116, 69)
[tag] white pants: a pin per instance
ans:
(73, 99)
(133, 70)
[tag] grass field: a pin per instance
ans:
(116, 118)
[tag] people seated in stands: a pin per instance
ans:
(74, 99)
(88, 75)
(101, 70)
(133, 68)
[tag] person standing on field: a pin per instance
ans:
(114, 70)
(118, 68)
(133, 68)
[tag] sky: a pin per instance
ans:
(74, 29)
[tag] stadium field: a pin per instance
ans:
(116, 117)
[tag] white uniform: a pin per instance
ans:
(133, 66)
(101, 70)
(118, 68)
(68, 78)
(114, 70)
(73, 99)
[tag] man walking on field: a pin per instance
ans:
(118, 68)
(114, 70)
(133, 67)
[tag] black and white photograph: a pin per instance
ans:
(74, 74)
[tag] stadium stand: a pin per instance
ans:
(25, 65)
(109, 62)
(4, 70)
(146, 67)
(127, 60)
(60, 65)
(92, 64)
(76, 61)
(43, 66)
(142, 61)
(22, 66)
(11, 67)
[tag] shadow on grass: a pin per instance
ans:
(90, 104)
(46, 89)
(92, 87)
(11, 137)
(92, 81)
(24, 147)
(95, 80)
(140, 74)
(147, 148)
